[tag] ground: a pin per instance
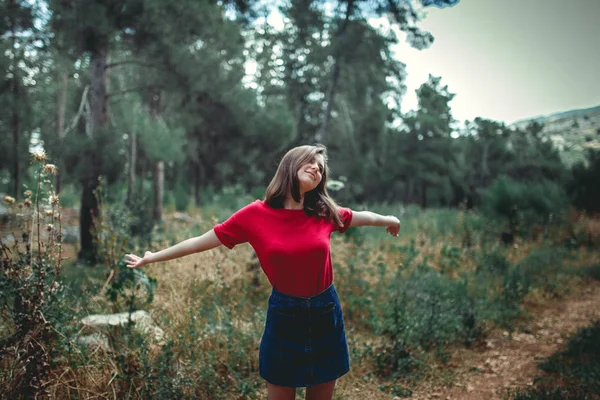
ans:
(504, 360)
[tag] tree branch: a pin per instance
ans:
(78, 115)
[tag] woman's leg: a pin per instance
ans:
(275, 392)
(324, 391)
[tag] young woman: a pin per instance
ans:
(304, 341)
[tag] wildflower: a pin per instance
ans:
(20, 205)
(56, 214)
(49, 227)
(53, 199)
(27, 203)
(50, 169)
(48, 213)
(28, 193)
(40, 156)
(55, 286)
(9, 200)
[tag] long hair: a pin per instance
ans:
(317, 201)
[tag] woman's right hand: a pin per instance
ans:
(134, 261)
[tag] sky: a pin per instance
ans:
(510, 59)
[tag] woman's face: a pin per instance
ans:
(311, 174)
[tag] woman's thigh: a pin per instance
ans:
(324, 391)
(275, 392)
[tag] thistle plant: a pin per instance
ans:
(30, 261)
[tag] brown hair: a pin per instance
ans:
(317, 201)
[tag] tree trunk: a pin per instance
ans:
(158, 169)
(159, 179)
(132, 163)
(197, 183)
(143, 173)
(409, 196)
(16, 121)
(16, 128)
(335, 75)
(423, 195)
(300, 110)
(89, 203)
(484, 165)
(60, 122)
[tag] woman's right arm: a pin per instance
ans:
(194, 245)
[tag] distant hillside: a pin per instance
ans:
(570, 131)
(560, 115)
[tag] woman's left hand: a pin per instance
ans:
(393, 227)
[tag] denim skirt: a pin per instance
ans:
(304, 342)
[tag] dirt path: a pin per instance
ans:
(512, 361)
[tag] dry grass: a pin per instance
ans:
(210, 308)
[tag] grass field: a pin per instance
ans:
(447, 281)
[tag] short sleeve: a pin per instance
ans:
(346, 215)
(234, 230)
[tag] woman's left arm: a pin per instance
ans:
(368, 218)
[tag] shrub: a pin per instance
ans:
(428, 310)
(580, 361)
(522, 204)
(574, 374)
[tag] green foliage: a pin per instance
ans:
(543, 265)
(429, 310)
(520, 203)
(122, 223)
(580, 361)
(574, 373)
(178, 199)
(567, 392)
(128, 285)
(592, 271)
(583, 186)
(224, 202)
(159, 141)
(114, 229)
(437, 309)
(493, 262)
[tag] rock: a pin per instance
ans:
(142, 322)
(182, 217)
(94, 341)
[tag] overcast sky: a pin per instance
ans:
(510, 59)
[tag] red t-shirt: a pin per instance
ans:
(293, 248)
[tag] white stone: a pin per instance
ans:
(95, 340)
(142, 322)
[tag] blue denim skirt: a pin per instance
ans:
(304, 342)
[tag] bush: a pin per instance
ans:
(574, 374)
(493, 262)
(522, 204)
(583, 187)
(428, 310)
(580, 361)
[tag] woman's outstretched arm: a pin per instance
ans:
(368, 218)
(194, 245)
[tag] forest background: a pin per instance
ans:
(139, 109)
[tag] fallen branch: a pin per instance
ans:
(82, 106)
